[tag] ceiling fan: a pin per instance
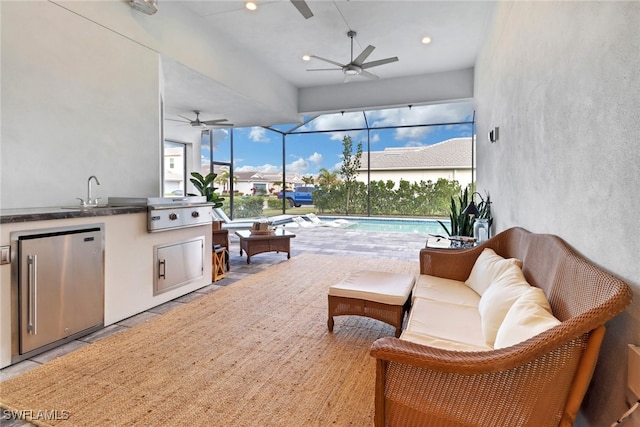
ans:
(303, 8)
(197, 123)
(357, 66)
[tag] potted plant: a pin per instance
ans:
(462, 223)
(204, 185)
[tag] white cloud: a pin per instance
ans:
(258, 134)
(443, 113)
(316, 158)
(298, 166)
(338, 121)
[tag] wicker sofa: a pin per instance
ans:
(538, 382)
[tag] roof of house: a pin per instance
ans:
(249, 176)
(452, 153)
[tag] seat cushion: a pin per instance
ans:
(376, 286)
(445, 325)
(447, 290)
(528, 316)
(498, 299)
(487, 268)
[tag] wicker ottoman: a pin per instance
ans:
(376, 294)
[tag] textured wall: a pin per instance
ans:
(562, 81)
(77, 100)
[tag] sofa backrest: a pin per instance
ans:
(576, 288)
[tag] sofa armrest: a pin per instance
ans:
(455, 264)
(520, 385)
(457, 362)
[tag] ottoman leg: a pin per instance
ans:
(330, 323)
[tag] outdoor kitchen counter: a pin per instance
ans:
(129, 253)
(9, 216)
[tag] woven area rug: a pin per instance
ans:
(255, 353)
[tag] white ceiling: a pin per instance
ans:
(277, 36)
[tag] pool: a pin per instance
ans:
(394, 225)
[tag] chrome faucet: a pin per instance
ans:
(90, 201)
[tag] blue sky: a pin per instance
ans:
(259, 149)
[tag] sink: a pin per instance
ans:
(84, 208)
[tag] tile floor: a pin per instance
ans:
(321, 240)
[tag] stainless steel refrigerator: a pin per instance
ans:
(61, 286)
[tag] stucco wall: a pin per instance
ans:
(77, 100)
(562, 81)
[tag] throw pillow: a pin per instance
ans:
(487, 268)
(530, 315)
(498, 299)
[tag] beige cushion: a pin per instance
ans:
(445, 325)
(530, 315)
(447, 290)
(487, 268)
(376, 286)
(498, 299)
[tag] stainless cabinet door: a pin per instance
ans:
(61, 286)
(178, 264)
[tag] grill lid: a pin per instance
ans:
(160, 202)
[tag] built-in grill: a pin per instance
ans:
(170, 213)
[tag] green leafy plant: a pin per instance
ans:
(461, 225)
(204, 185)
(350, 166)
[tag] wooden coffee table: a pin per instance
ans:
(252, 244)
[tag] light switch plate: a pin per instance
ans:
(5, 255)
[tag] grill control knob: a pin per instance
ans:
(173, 216)
(195, 214)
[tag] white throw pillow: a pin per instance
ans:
(487, 268)
(530, 315)
(498, 299)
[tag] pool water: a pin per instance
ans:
(395, 225)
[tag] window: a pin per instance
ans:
(174, 168)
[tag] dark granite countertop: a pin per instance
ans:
(8, 216)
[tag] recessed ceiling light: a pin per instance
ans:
(426, 40)
(250, 5)
(306, 58)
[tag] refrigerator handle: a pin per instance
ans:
(162, 269)
(32, 280)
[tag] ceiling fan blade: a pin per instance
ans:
(186, 118)
(213, 122)
(324, 69)
(328, 60)
(176, 120)
(303, 8)
(224, 125)
(368, 75)
(364, 55)
(348, 78)
(379, 62)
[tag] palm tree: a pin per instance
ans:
(327, 179)
(223, 179)
(308, 180)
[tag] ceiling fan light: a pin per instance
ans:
(426, 40)
(250, 5)
(351, 72)
(306, 58)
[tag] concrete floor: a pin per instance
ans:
(319, 240)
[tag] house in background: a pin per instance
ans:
(263, 182)
(450, 159)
